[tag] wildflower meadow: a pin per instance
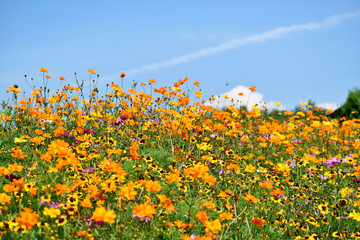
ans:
(161, 162)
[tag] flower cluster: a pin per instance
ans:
(158, 163)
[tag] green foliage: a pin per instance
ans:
(351, 108)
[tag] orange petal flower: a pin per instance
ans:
(202, 216)
(250, 198)
(92, 71)
(266, 184)
(27, 218)
(101, 214)
(214, 226)
(151, 81)
(144, 210)
(277, 192)
(43, 70)
(258, 222)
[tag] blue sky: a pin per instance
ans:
(292, 51)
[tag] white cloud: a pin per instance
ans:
(239, 42)
(327, 105)
(248, 99)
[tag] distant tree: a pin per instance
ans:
(351, 108)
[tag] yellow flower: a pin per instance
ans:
(283, 167)
(52, 212)
(19, 140)
(346, 191)
(61, 221)
(355, 215)
(323, 208)
(198, 94)
(14, 89)
(249, 168)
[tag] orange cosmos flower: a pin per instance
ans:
(151, 81)
(152, 186)
(4, 198)
(92, 71)
(258, 222)
(81, 233)
(198, 94)
(241, 94)
(214, 226)
(108, 186)
(11, 188)
(16, 152)
(276, 192)
(250, 198)
(43, 70)
(183, 101)
(144, 210)
(133, 151)
(166, 203)
(183, 81)
(209, 205)
(233, 166)
(27, 218)
(86, 203)
(199, 170)
(174, 177)
(252, 88)
(128, 191)
(47, 76)
(122, 75)
(196, 83)
(266, 184)
(210, 179)
(15, 167)
(101, 214)
(226, 216)
(202, 216)
(62, 78)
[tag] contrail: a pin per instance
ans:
(236, 43)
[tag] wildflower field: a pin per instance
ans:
(161, 163)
